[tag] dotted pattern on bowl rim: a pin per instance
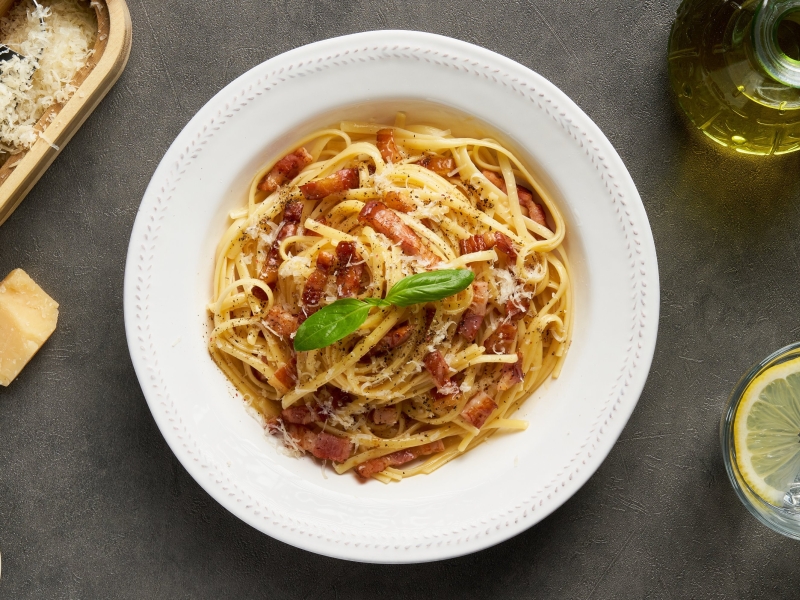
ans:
(480, 527)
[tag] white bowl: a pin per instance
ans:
(493, 492)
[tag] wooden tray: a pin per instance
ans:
(112, 48)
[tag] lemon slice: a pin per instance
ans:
(766, 431)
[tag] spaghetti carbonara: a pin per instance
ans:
(349, 213)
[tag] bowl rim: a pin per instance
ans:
(496, 69)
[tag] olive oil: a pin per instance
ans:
(734, 68)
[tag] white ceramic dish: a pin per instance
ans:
(502, 487)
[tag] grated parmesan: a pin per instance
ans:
(344, 421)
(289, 447)
(265, 240)
(509, 287)
(296, 266)
(430, 211)
(440, 332)
(55, 40)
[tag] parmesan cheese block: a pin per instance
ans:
(27, 318)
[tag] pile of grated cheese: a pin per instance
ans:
(56, 39)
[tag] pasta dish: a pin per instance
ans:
(390, 295)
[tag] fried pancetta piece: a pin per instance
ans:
(349, 270)
(399, 201)
(331, 447)
(323, 445)
(384, 415)
(473, 317)
(300, 414)
(438, 164)
(383, 220)
(478, 409)
(526, 198)
(441, 404)
(376, 465)
(476, 243)
(342, 180)
(496, 180)
(511, 374)
(285, 170)
(505, 245)
(388, 147)
(289, 226)
(437, 366)
(430, 313)
(339, 397)
(485, 241)
(394, 338)
(502, 340)
(315, 284)
(287, 374)
(516, 308)
(281, 322)
(535, 210)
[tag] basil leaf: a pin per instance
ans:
(429, 287)
(379, 302)
(331, 324)
(338, 320)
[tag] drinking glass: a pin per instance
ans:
(781, 515)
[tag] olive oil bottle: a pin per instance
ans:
(735, 71)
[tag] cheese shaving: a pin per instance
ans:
(55, 40)
(332, 416)
(509, 287)
(440, 332)
(296, 266)
(290, 447)
(430, 210)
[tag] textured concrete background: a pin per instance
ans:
(93, 504)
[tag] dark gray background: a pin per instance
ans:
(93, 504)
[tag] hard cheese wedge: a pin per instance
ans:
(27, 318)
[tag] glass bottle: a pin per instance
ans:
(735, 70)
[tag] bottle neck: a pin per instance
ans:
(775, 26)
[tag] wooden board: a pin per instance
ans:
(112, 49)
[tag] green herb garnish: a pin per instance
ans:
(338, 320)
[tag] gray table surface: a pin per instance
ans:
(93, 504)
